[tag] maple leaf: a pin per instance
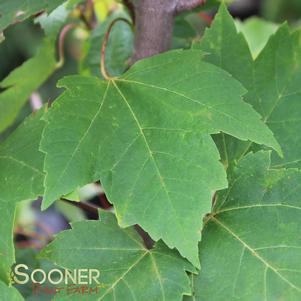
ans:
(145, 135)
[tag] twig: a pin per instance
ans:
(88, 15)
(149, 243)
(103, 70)
(62, 36)
(33, 235)
(104, 202)
(184, 5)
(84, 206)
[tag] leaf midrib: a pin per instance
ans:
(82, 138)
(213, 108)
(181, 227)
(254, 252)
(123, 275)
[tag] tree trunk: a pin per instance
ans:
(154, 25)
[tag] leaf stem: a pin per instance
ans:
(103, 70)
(62, 37)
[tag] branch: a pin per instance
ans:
(84, 206)
(154, 25)
(184, 5)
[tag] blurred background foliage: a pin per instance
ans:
(256, 19)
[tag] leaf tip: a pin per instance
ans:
(46, 203)
(276, 146)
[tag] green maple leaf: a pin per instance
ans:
(21, 178)
(12, 11)
(278, 76)
(53, 22)
(9, 293)
(272, 81)
(128, 271)
(146, 137)
(251, 242)
(227, 48)
(24, 80)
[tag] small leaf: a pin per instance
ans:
(12, 11)
(21, 178)
(128, 271)
(52, 23)
(24, 80)
(251, 244)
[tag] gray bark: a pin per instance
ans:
(154, 25)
